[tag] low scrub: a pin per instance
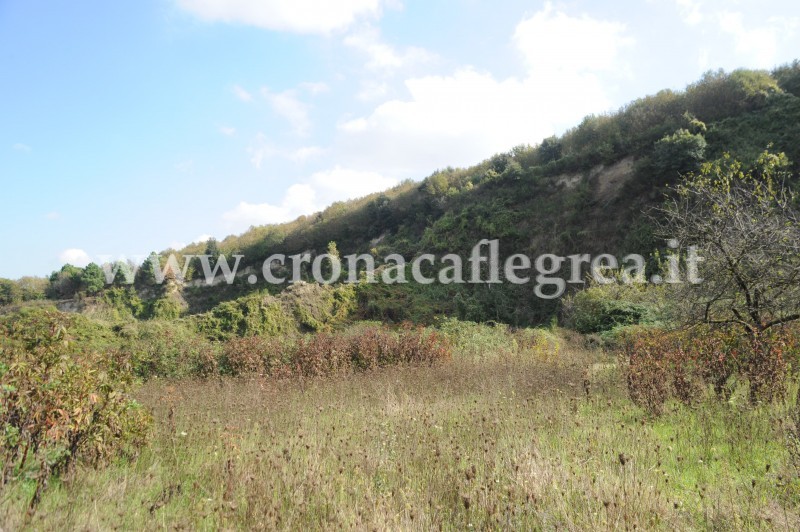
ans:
(485, 340)
(684, 364)
(63, 401)
(604, 308)
(322, 354)
(167, 349)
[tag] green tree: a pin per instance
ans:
(124, 275)
(10, 292)
(33, 288)
(212, 249)
(146, 274)
(550, 150)
(66, 282)
(679, 153)
(93, 279)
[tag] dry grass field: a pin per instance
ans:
(533, 439)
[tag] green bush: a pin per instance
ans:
(62, 400)
(256, 314)
(478, 340)
(301, 307)
(167, 349)
(603, 308)
(166, 308)
(123, 302)
(679, 153)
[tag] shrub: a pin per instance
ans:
(256, 314)
(603, 308)
(541, 343)
(683, 364)
(478, 340)
(256, 355)
(166, 308)
(361, 348)
(679, 153)
(167, 349)
(62, 402)
(124, 302)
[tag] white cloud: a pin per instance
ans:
(261, 149)
(74, 256)
(314, 88)
(759, 44)
(242, 94)
(304, 153)
(227, 131)
(299, 16)
(344, 183)
(372, 90)
(554, 42)
(299, 199)
(24, 148)
(53, 215)
(201, 239)
(287, 105)
(321, 189)
(382, 56)
(690, 11)
(757, 40)
(461, 118)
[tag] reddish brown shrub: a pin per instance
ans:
(683, 364)
(361, 349)
(255, 355)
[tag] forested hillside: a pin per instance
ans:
(588, 191)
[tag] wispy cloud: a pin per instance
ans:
(298, 16)
(242, 94)
(314, 88)
(304, 153)
(383, 56)
(24, 148)
(261, 149)
(287, 105)
(52, 215)
(227, 131)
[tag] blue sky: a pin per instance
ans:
(133, 126)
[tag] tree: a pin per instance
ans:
(146, 274)
(33, 288)
(10, 292)
(747, 230)
(212, 249)
(66, 282)
(124, 273)
(679, 153)
(93, 279)
(550, 150)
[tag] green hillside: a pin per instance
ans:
(584, 192)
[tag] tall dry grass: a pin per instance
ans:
(514, 441)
